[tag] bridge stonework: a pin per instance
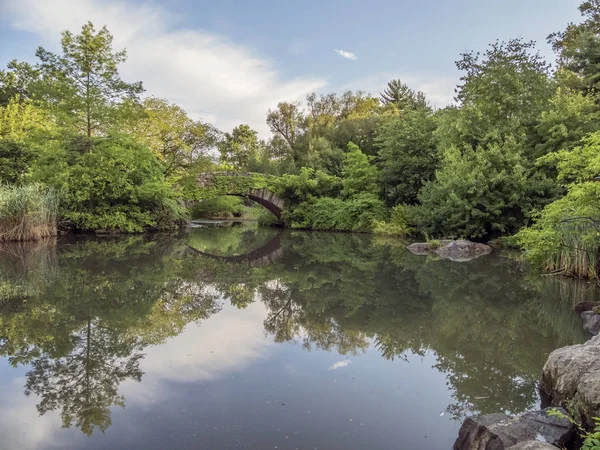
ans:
(241, 184)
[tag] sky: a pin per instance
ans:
(228, 61)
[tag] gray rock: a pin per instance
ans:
(420, 248)
(457, 251)
(532, 445)
(462, 250)
(571, 377)
(499, 432)
(591, 322)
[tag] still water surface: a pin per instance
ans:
(239, 337)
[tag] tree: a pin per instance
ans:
(482, 191)
(15, 159)
(501, 97)
(359, 176)
(17, 81)
(408, 156)
(240, 148)
(83, 85)
(399, 94)
(287, 122)
(177, 140)
(118, 186)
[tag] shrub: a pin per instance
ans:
(222, 206)
(565, 237)
(111, 184)
(28, 212)
(396, 225)
(310, 183)
(360, 213)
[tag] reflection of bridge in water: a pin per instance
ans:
(263, 256)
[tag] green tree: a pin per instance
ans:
(359, 176)
(400, 95)
(15, 159)
(287, 122)
(480, 192)
(240, 148)
(177, 140)
(82, 85)
(16, 81)
(118, 186)
(408, 156)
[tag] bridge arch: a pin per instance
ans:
(263, 256)
(240, 184)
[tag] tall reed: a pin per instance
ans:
(577, 254)
(28, 212)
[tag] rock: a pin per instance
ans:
(458, 251)
(499, 432)
(420, 249)
(532, 445)
(462, 250)
(571, 376)
(591, 322)
(585, 306)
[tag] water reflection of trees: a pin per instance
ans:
(82, 331)
(80, 314)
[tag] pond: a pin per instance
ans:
(244, 337)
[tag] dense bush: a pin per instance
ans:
(359, 213)
(306, 185)
(28, 212)
(480, 192)
(110, 184)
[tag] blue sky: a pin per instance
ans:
(229, 61)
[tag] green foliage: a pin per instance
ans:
(407, 155)
(240, 148)
(396, 225)
(360, 213)
(28, 212)
(358, 174)
(308, 184)
(118, 186)
(15, 159)
(222, 206)
(404, 98)
(566, 235)
(82, 85)
(480, 191)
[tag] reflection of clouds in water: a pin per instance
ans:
(340, 364)
(226, 342)
(20, 425)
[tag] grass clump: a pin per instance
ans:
(28, 212)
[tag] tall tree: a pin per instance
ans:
(287, 122)
(399, 94)
(82, 85)
(240, 148)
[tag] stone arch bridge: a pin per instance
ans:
(240, 184)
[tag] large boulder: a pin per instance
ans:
(591, 322)
(571, 377)
(458, 251)
(500, 432)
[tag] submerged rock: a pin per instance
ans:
(571, 377)
(591, 322)
(459, 251)
(499, 432)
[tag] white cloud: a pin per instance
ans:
(438, 89)
(229, 341)
(208, 75)
(348, 55)
(340, 364)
